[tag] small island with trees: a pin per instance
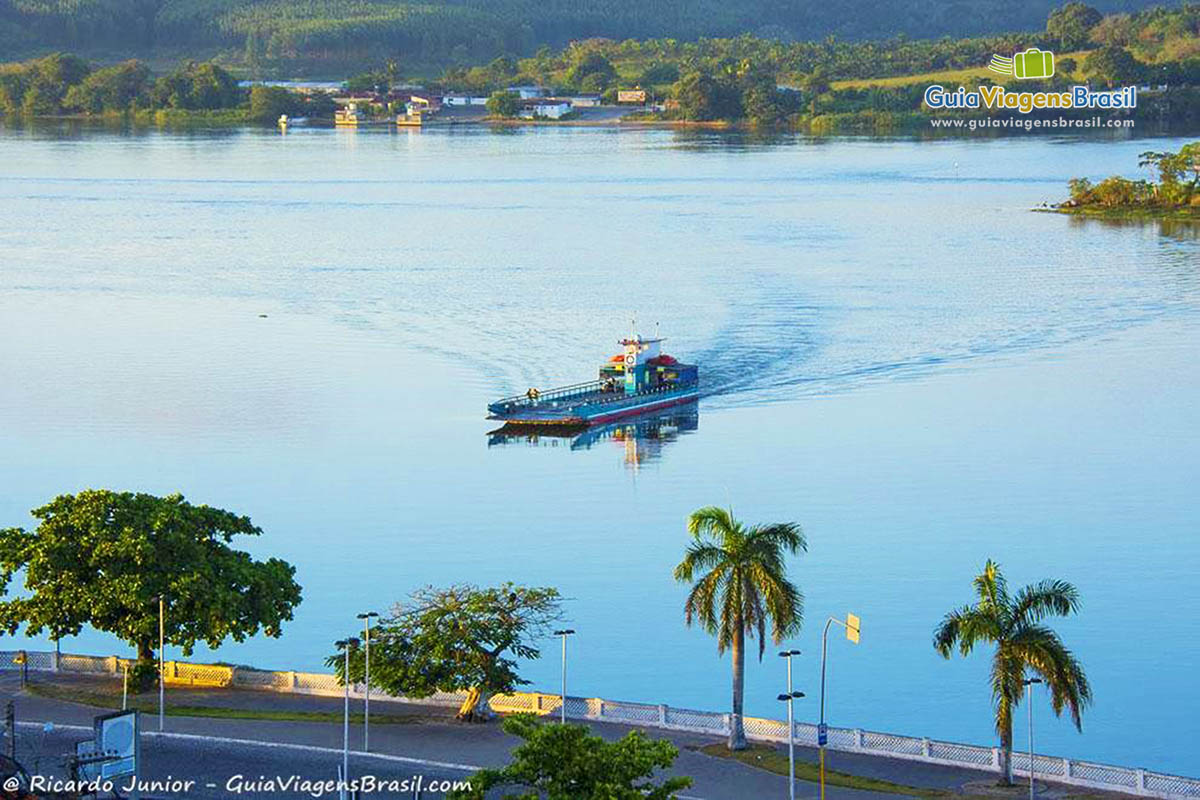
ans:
(1175, 195)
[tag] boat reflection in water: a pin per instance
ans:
(642, 437)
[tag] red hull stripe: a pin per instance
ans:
(642, 409)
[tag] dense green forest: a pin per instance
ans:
(336, 34)
(64, 84)
(826, 86)
(736, 79)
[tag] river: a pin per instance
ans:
(897, 354)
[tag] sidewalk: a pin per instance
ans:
(430, 733)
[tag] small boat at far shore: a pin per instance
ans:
(638, 380)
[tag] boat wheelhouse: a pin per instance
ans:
(638, 380)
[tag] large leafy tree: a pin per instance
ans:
(103, 558)
(1072, 24)
(267, 103)
(740, 584)
(504, 104)
(460, 638)
(1114, 65)
(1178, 173)
(115, 88)
(1013, 623)
(568, 762)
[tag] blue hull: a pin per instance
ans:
(588, 405)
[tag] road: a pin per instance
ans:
(211, 751)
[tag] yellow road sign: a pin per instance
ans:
(852, 627)
(19, 658)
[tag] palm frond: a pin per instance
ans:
(712, 521)
(698, 557)
(991, 587)
(784, 602)
(702, 599)
(1045, 598)
(1043, 650)
(731, 618)
(1007, 674)
(965, 627)
(780, 537)
(740, 577)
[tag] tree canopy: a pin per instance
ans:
(568, 762)
(1176, 187)
(432, 31)
(64, 83)
(504, 104)
(103, 558)
(739, 587)
(1013, 622)
(1072, 24)
(458, 638)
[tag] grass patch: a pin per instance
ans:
(948, 75)
(773, 760)
(109, 699)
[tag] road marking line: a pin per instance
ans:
(311, 748)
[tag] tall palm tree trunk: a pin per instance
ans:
(1004, 723)
(1006, 760)
(737, 736)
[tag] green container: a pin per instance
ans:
(1033, 63)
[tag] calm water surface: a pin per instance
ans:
(899, 356)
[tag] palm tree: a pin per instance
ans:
(744, 583)
(1013, 623)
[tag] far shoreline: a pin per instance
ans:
(1132, 214)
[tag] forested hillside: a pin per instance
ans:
(346, 33)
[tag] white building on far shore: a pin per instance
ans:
(529, 92)
(545, 108)
(585, 101)
(464, 100)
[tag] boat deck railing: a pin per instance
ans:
(510, 404)
(592, 390)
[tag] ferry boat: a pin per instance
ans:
(638, 380)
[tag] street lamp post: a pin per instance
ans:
(852, 626)
(562, 705)
(162, 675)
(1029, 701)
(346, 645)
(366, 617)
(791, 724)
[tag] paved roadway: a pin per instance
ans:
(211, 751)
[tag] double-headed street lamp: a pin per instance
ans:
(791, 724)
(346, 645)
(366, 617)
(1029, 682)
(562, 706)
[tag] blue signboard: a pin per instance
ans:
(822, 734)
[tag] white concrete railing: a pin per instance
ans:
(1059, 770)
